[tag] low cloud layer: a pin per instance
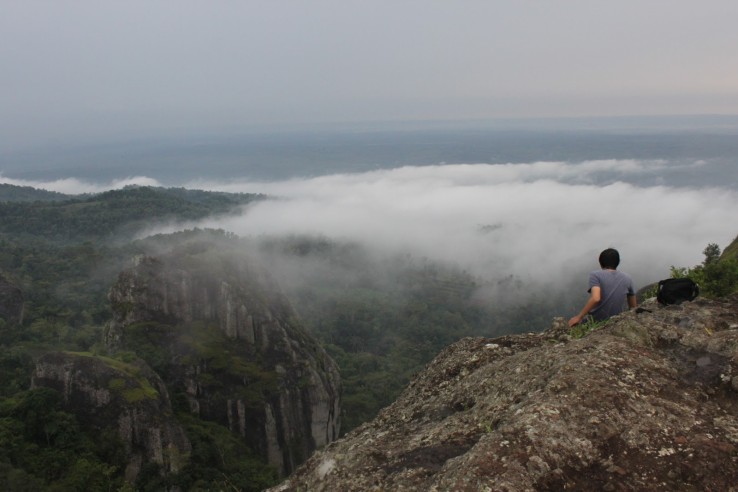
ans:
(540, 222)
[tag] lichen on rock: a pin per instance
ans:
(647, 402)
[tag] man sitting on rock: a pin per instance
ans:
(608, 289)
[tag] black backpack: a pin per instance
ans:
(677, 290)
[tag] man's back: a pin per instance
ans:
(608, 290)
(614, 286)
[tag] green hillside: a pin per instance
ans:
(13, 193)
(717, 276)
(118, 212)
(730, 251)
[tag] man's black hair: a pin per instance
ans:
(610, 258)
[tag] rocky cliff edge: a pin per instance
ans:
(647, 402)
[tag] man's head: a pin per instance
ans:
(610, 258)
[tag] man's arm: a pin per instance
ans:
(594, 299)
(632, 301)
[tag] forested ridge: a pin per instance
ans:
(14, 193)
(117, 212)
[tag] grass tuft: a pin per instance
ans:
(584, 328)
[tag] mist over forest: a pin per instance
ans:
(542, 224)
(639, 185)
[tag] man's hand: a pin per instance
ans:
(594, 299)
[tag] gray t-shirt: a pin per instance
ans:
(614, 287)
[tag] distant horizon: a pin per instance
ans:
(634, 122)
(266, 154)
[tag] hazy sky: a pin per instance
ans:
(90, 69)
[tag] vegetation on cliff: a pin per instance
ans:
(43, 447)
(717, 276)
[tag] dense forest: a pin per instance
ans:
(381, 318)
(63, 255)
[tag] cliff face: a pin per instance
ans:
(127, 397)
(648, 402)
(229, 344)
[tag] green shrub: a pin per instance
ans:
(717, 276)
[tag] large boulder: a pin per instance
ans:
(647, 402)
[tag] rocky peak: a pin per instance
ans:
(233, 347)
(647, 402)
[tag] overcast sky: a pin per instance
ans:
(89, 69)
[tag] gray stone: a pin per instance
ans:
(648, 402)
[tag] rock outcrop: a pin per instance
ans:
(11, 301)
(233, 348)
(647, 402)
(126, 397)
